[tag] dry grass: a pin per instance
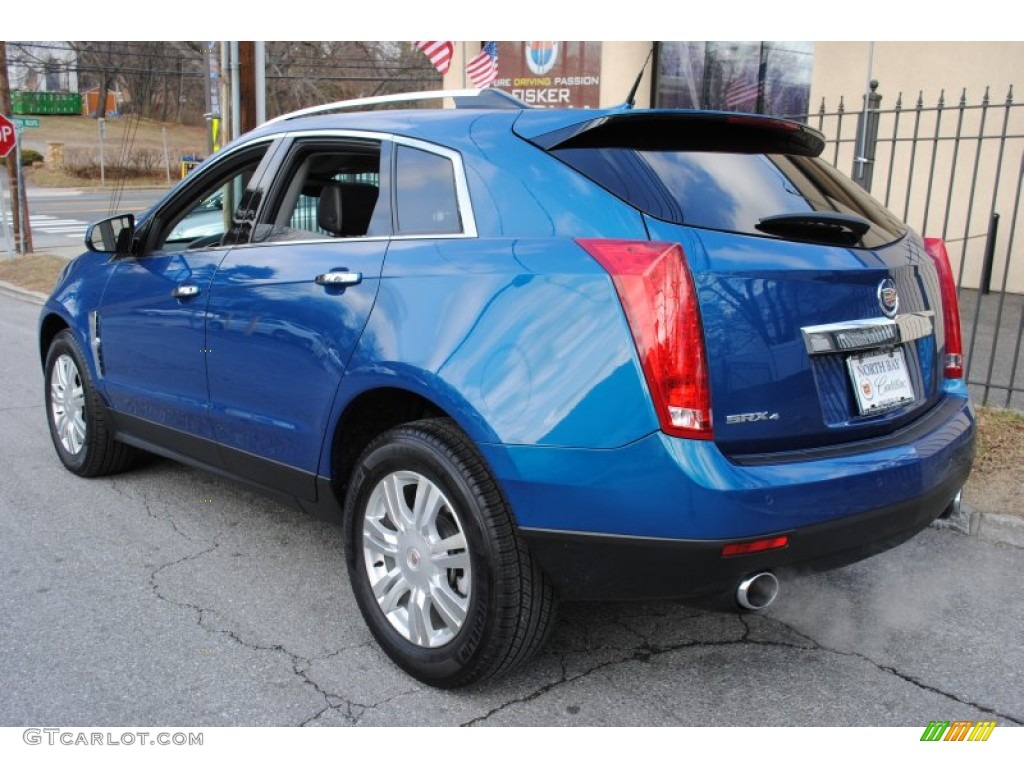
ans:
(76, 131)
(44, 177)
(1000, 442)
(126, 137)
(997, 481)
(36, 272)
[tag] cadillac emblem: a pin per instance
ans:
(888, 298)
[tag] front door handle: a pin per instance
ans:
(339, 279)
(185, 291)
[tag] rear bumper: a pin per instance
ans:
(596, 567)
(649, 519)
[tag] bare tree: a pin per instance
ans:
(300, 74)
(165, 79)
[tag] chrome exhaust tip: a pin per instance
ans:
(758, 591)
(954, 510)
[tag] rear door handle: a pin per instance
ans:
(185, 291)
(340, 278)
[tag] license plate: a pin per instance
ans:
(880, 380)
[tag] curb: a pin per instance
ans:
(1002, 529)
(34, 189)
(17, 292)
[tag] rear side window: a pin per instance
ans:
(730, 191)
(426, 200)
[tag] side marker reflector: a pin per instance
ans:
(749, 547)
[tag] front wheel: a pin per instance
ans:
(440, 574)
(76, 416)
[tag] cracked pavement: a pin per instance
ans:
(165, 596)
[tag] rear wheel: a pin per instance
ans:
(440, 574)
(75, 414)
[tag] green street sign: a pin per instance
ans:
(26, 122)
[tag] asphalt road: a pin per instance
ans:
(167, 597)
(59, 217)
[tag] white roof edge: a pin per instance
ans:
(391, 98)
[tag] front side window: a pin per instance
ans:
(217, 208)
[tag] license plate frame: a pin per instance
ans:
(881, 380)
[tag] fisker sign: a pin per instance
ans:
(551, 73)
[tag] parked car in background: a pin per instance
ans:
(527, 356)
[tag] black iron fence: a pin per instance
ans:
(955, 171)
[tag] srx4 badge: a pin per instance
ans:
(747, 418)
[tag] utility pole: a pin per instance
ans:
(260, 79)
(236, 90)
(247, 84)
(212, 66)
(19, 201)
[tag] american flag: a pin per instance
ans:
(483, 68)
(438, 51)
(741, 95)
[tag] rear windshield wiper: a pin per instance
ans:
(817, 226)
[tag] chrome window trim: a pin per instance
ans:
(462, 196)
(338, 240)
(876, 332)
(230, 150)
(186, 186)
(320, 239)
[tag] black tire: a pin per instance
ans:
(508, 602)
(76, 415)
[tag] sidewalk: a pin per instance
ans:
(40, 192)
(48, 191)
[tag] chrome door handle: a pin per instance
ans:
(339, 278)
(185, 291)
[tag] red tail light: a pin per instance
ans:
(657, 293)
(954, 361)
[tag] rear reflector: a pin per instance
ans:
(749, 547)
(953, 364)
(657, 293)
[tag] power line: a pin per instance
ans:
(329, 60)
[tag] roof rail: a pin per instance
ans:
(467, 98)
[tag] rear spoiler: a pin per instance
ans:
(675, 130)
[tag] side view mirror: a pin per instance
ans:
(113, 235)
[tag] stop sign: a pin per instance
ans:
(8, 136)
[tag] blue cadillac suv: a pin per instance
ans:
(526, 356)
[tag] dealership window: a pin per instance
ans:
(771, 78)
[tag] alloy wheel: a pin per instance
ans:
(417, 559)
(67, 404)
